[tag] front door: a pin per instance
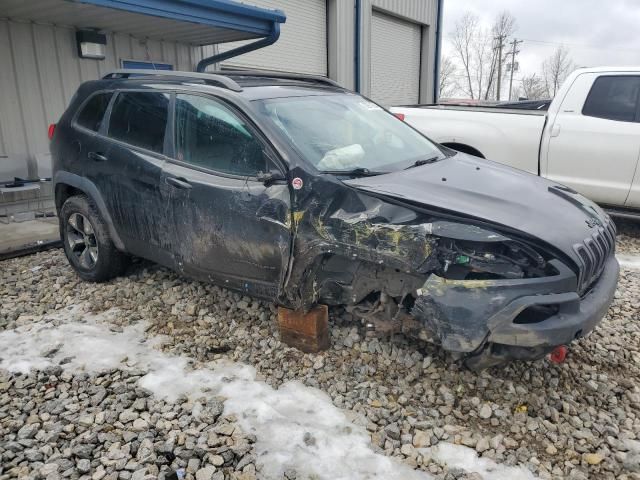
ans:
(594, 148)
(224, 224)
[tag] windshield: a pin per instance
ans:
(347, 132)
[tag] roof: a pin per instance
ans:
(232, 80)
(631, 69)
(195, 22)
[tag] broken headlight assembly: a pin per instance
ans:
(472, 253)
(477, 261)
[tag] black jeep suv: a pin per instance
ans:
(293, 189)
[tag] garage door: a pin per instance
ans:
(395, 60)
(302, 46)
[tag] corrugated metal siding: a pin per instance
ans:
(395, 60)
(421, 11)
(41, 71)
(302, 46)
(341, 41)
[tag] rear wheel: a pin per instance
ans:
(87, 243)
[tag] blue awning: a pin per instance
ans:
(196, 22)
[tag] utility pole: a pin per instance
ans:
(500, 39)
(514, 52)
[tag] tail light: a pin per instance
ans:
(400, 116)
(52, 130)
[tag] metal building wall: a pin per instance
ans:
(41, 71)
(301, 48)
(341, 39)
(395, 72)
(423, 12)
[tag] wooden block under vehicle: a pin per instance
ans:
(308, 332)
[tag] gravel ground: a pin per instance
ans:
(576, 420)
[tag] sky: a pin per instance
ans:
(596, 32)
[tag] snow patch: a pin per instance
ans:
(629, 261)
(459, 456)
(295, 426)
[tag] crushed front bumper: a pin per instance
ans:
(466, 314)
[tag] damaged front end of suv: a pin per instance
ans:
(489, 262)
(485, 295)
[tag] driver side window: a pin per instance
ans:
(212, 136)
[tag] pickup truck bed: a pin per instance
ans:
(588, 138)
(483, 131)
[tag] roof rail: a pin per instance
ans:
(283, 75)
(210, 78)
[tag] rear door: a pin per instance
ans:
(594, 144)
(88, 144)
(225, 225)
(130, 170)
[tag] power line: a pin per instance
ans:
(578, 45)
(573, 45)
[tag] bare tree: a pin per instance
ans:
(555, 70)
(448, 71)
(479, 52)
(532, 87)
(463, 39)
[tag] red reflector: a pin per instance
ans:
(400, 116)
(52, 129)
(559, 354)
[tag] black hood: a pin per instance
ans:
(497, 194)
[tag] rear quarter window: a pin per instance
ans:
(93, 111)
(614, 98)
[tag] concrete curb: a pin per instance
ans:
(30, 249)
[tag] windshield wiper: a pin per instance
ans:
(354, 172)
(423, 161)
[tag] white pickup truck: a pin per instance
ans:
(589, 139)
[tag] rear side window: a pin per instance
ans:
(614, 98)
(140, 119)
(92, 113)
(210, 135)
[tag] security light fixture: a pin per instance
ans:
(91, 44)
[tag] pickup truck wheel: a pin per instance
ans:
(87, 243)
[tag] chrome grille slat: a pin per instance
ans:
(593, 253)
(603, 242)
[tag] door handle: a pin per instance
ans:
(555, 130)
(178, 182)
(97, 157)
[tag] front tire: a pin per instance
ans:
(87, 243)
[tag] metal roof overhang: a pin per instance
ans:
(195, 22)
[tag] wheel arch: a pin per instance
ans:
(67, 184)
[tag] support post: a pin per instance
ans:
(308, 332)
(514, 52)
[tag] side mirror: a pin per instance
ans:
(271, 177)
